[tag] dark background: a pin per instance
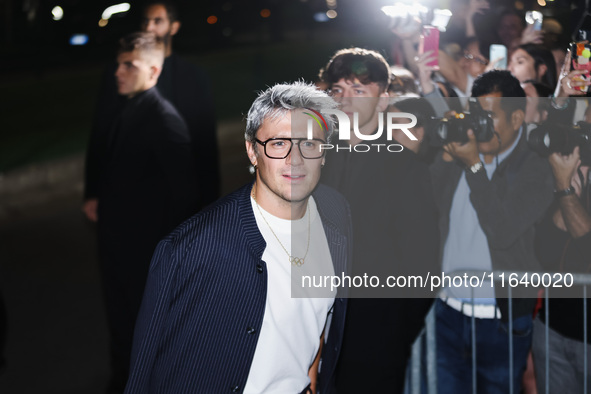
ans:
(57, 340)
(49, 87)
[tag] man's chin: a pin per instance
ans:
(299, 194)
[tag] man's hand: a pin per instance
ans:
(467, 153)
(571, 215)
(531, 36)
(477, 7)
(568, 81)
(90, 209)
(426, 71)
(564, 168)
(474, 7)
(409, 29)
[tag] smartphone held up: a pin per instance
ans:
(429, 41)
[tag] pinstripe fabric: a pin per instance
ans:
(205, 298)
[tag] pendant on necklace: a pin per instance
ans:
(298, 262)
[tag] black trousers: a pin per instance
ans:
(123, 283)
(377, 342)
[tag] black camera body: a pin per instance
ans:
(552, 137)
(455, 128)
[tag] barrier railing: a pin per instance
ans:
(422, 370)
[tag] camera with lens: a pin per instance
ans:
(455, 128)
(551, 137)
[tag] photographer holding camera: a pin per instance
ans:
(563, 243)
(489, 194)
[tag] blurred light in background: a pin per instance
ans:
(265, 13)
(332, 4)
(103, 22)
(115, 9)
(441, 18)
(542, 3)
(212, 19)
(79, 39)
(331, 14)
(58, 13)
(321, 17)
(403, 10)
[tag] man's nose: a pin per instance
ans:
(150, 26)
(346, 99)
(295, 157)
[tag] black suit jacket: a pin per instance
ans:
(188, 88)
(508, 206)
(394, 233)
(144, 178)
(204, 302)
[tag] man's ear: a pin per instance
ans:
(250, 152)
(174, 28)
(517, 118)
(155, 72)
(542, 70)
(418, 132)
(383, 102)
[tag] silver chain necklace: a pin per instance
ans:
(294, 260)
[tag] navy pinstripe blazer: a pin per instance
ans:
(205, 299)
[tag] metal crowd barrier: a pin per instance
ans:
(422, 376)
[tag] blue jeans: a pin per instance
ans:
(454, 352)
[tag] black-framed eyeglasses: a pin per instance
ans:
(470, 56)
(280, 148)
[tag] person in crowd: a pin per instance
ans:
(217, 314)
(562, 107)
(512, 31)
(425, 115)
(532, 62)
(461, 24)
(563, 244)
(441, 94)
(489, 195)
(510, 28)
(145, 186)
(461, 73)
(185, 85)
(394, 224)
(189, 88)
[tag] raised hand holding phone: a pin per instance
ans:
(429, 42)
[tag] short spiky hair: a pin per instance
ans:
(282, 98)
(364, 64)
(140, 41)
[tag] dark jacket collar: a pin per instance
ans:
(333, 219)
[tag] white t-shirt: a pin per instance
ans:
(291, 330)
